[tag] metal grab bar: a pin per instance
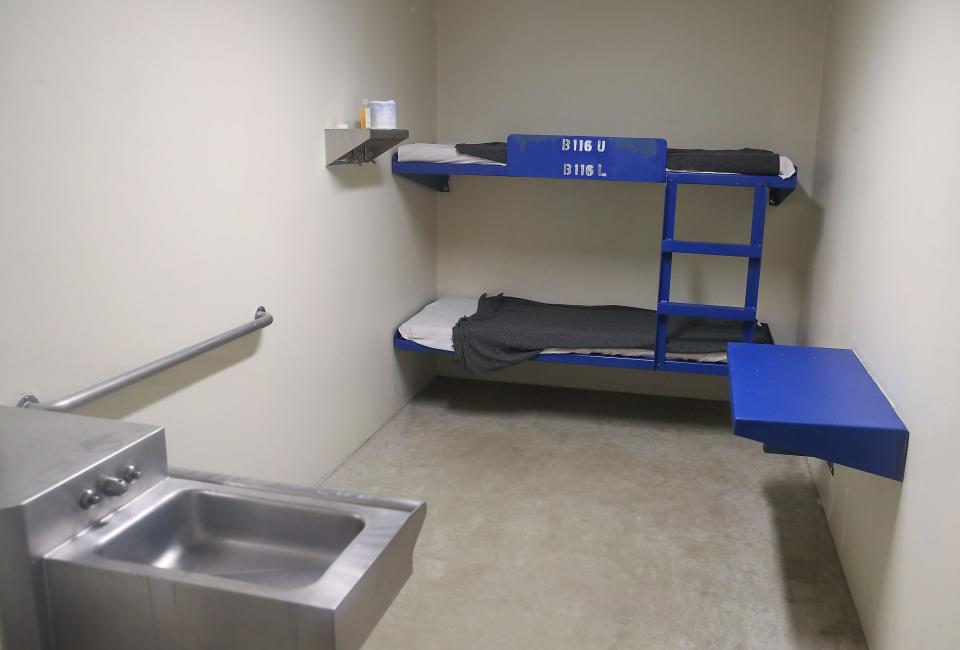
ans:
(260, 320)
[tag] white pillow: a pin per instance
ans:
(433, 325)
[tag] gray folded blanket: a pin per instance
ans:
(495, 151)
(757, 162)
(506, 330)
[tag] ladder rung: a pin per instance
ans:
(706, 311)
(711, 248)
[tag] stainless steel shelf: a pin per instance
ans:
(358, 146)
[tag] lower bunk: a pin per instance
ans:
(498, 331)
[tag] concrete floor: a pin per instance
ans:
(565, 519)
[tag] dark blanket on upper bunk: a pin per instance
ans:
(506, 330)
(495, 151)
(755, 162)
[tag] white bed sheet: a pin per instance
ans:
(432, 327)
(439, 153)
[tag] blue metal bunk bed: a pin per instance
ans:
(795, 400)
(637, 160)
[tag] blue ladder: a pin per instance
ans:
(752, 252)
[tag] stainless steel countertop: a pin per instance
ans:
(40, 450)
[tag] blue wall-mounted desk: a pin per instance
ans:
(818, 402)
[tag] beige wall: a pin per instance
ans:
(701, 74)
(883, 282)
(162, 174)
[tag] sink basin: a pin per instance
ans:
(204, 561)
(247, 539)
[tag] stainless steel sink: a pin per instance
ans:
(255, 540)
(103, 546)
(230, 563)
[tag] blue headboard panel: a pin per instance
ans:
(580, 157)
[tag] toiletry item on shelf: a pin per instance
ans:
(383, 114)
(364, 113)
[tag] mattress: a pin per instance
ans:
(425, 152)
(432, 327)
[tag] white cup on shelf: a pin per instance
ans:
(383, 114)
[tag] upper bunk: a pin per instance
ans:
(570, 157)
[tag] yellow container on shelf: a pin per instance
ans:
(364, 113)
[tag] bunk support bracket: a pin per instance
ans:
(752, 296)
(438, 182)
